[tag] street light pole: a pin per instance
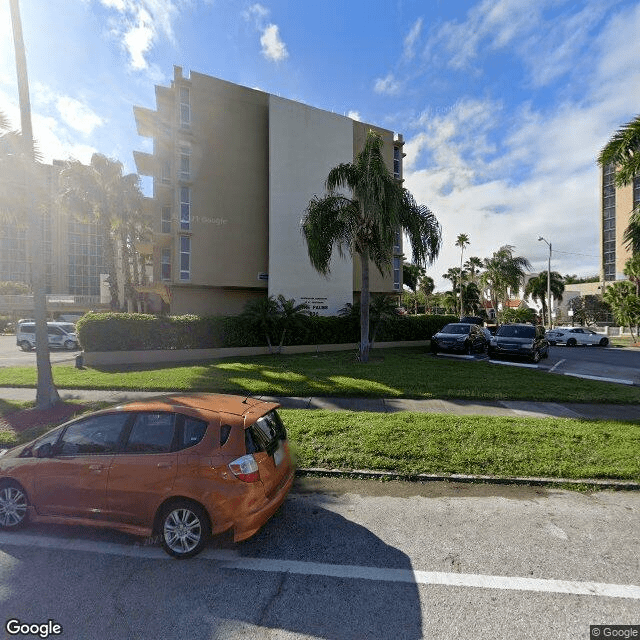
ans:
(548, 281)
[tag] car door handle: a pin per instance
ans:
(165, 465)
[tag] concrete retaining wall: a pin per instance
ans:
(116, 358)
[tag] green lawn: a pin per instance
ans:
(413, 443)
(391, 373)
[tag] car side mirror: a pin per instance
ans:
(45, 450)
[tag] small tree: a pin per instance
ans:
(589, 309)
(625, 304)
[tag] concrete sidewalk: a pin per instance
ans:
(382, 405)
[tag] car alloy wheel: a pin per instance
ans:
(185, 529)
(536, 357)
(25, 346)
(13, 505)
(604, 342)
(69, 345)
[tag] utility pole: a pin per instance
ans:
(548, 281)
(46, 394)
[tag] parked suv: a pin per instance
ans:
(461, 337)
(182, 466)
(61, 335)
(521, 341)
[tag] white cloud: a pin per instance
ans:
(388, 85)
(354, 115)
(273, 47)
(139, 23)
(411, 39)
(77, 115)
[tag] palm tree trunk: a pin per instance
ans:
(364, 307)
(46, 394)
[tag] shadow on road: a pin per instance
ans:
(94, 595)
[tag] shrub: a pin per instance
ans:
(136, 331)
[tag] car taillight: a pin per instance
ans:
(245, 469)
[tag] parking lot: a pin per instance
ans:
(611, 364)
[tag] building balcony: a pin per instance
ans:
(146, 163)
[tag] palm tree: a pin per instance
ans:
(46, 393)
(366, 222)
(427, 287)
(453, 274)
(623, 152)
(624, 303)
(473, 266)
(290, 314)
(471, 299)
(100, 193)
(536, 288)
(462, 241)
(632, 271)
(503, 272)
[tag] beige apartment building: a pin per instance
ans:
(617, 205)
(233, 170)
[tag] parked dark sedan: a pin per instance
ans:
(459, 337)
(521, 341)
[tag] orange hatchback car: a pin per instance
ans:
(179, 466)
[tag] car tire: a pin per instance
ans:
(70, 345)
(604, 342)
(571, 342)
(184, 528)
(13, 505)
(25, 345)
(535, 358)
(468, 348)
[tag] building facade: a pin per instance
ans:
(233, 171)
(72, 252)
(617, 203)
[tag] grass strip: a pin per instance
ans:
(391, 373)
(414, 443)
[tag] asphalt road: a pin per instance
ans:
(12, 356)
(350, 560)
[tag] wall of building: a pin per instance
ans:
(210, 301)
(304, 145)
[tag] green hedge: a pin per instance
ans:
(135, 331)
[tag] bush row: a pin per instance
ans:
(135, 331)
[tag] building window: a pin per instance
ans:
(396, 163)
(185, 208)
(397, 244)
(609, 222)
(185, 107)
(636, 191)
(166, 220)
(185, 163)
(85, 258)
(396, 273)
(165, 177)
(165, 265)
(185, 258)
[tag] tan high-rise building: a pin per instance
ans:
(233, 170)
(617, 205)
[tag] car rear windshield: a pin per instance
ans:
(265, 433)
(510, 331)
(456, 328)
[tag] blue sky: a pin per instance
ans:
(503, 104)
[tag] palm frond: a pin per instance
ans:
(623, 151)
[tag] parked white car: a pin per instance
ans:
(572, 336)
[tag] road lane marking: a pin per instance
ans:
(230, 559)
(599, 378)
